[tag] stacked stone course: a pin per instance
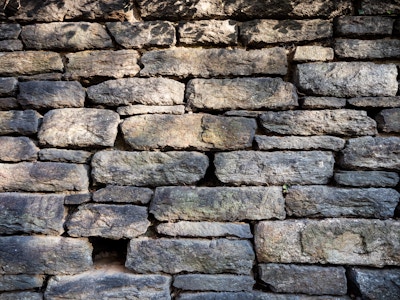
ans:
(199, 149)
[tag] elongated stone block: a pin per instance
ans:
(254, 295)
(323, 103)
(364, 25)
(367, 49)
(139, 109)
(208, 32)
(21, 296)
(20, 282)
(369, 102)
(9, 31)
(8, 86)
(18, 121)
(11, 45)
(63, 155)
(367, 178)
(299, 142)
(382, 7)
(22, 148)
(123, 194)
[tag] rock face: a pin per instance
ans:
(369, 102)
(20, 282)
(8, 86)
(389, 120)
(9, 31)
(23, 149)
(299, 143)
(367, 178)
(62, 155)
(123, 194)
(364, 25)
(364, 49)
(18, 121)
(313, 53)
(382, 7)
(209, 32)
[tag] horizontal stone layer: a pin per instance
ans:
(21, 296)
(8, 86)
(299, 142)
(382, 7)
(63, 155)
(208, 32)
(19, 121)
(367, 49)
(323, 103)
(139, 109)
(11, 45)
(364, 25)
(76, 199)
(20, 282)
(8, 103)
(254, 295)
(369, 102)
(23, 148)
(9, 31)
(313, 53)
(123, 194)
(367, 178)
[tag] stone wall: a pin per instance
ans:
(199, 149)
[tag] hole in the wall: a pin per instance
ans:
(352, 290)
(107, 251)
(210, 178)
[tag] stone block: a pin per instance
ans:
(22, 148)
(76, 199)
(9, 31)
(19, 122)
(371, 102)
(21, 296)
(299, 142)
(61, 155)
(367, 178)
(8, 104)
(323, 103)
(123, 194)
(8, 86)
(363, 25)
(382, 7)
(389, 120)
(138, 109)
(11, 45)
(208, 32)
(313, 53)
(254, 295)
(367, 49)
(20, 282)
(218, 283)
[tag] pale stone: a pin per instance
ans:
(219, 283)
(313, 53)
(208, 32)
(15, 149)
(9, 31)
(123, 194)
(367, 49)
(370, 102)
(323, 102)
(20, 282)
(363, 25)
(389, 120)
(18, 121)
(299, 142)
(61, 155)
(132, 110)
(8, 86)
(367, 178)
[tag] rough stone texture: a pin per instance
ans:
(194, 131)
(367, 49)
(311, 280)
(342, 122)
(21, 296)
(18, 121)
(108, 221)
(148, 168)
(325, 201)
(42, 77)
(44, 255)
(43, 177)
(376, 284)
(22, 147)
(123, 194)
(382, 7)
(102, 63)
(79, 127)
(299, 143)
(372, 153)
(370, 102)
(255, 295)
(262, 32)
(205, 229)
(190, 255)
(8, 86)
(218, 203)
(389, 120)
(241, 93)
(132, 110)
(313, 53)
(20, 282)
(187, 62)
(347, 79)
(363, 25)
(31, 213)
(143, 34)
(76, 199)
(148, 91)
(367, 178)
(276, 168)
(223, 283)
(61, 155)
(8, 104)
(29, 63)
(323, 102)
(11, 45)
(9, 31)
(208, 32)
(329, 241)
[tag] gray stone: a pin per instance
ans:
(15, 149)
(363, 25)
(190, 255)
(323, 102)
(241, 93)
(31, 213)
(299, 142)
(347, 79)
(76, 199)
(148, 168)
(143, 34)
(329, 241)
(8, 86)
(381, 7)
(21, 296)
(372, 153)
(376, 284)
(194, 62)
(255, 295)
(102, 63)
(139, 109)
(313, 53)
(370, 102)
(148, 91)
(325, 201)
(29, 63)
(344, 122)
(218, 283)
(389, 120)
(11, 45)
(51, 94)
(123, 194)
(205, 229)
(367, 178)
(79, 127)
(262, 32)
(43, 177)
(274, 168)
(44, 255)
(8, 104)
(311, 280)
(189, 131)
(9, 31)
(20, 282)
(218, 203)
(244, 113)
(108, 221)
(208, 32)
(367, 49)
(61, 155)
(18, 121)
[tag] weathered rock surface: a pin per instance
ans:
(61, 155)
(313, 53)
(347, 79)
(363, 25)
(148, 168)
(367, 49)
(138, 109)
(382, 7)
(241, 93)
(20, 282)
(43, 177)
(186, 62)
(11, 45)
(44, 255)
(8, 104)
(299, 142)
(190, 255)
(76, 199)
(15, 149)
(367, 178)
(219, 283)
(311, 280)
(329, 241)
(148, 91)
(9, 31)
(79, 127)
(255, 295)
(389, 120)
(8, 86)
(18, 121)
(208, 32)
(123, 194)
(369, 102)
(323, 102)
(21, 296)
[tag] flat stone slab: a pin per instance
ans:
(368, 102)
(9, 31)
(18, 121)
(383, 7)
(208, 32)
(313, 53)
(323, 102)
(20, 282)
(8, 86)
(218, 203)
(76, 199)
(123, 194)
(367, 49)
(21, 296)
(254, 295)
(138, 109)
(63, 155)
(389, 120)
(363, 25)
(367, 178)
(22, 147)
(299, 142)
(274, 168)
(8, 103)
(11, 45)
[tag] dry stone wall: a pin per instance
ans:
(199, 149)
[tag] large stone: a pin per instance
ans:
(8, 86)
(190, 255)
(325, 201)
(381, 7)
(329, 241)
(29, 62)
(79, 127)
(194, 131)
(148, 168)
(22, 148)
(194, 62)
(323, 103)
(123, 194)
(139, 109)
(367, 178)
(347, 79)
(254, 295)
(20, 282)
(9, 31)
(63, 155)
(241, 93)
(218, 203)
(370, 102)
(44, 255)
(311, 280)
(262, 32)
(208, 32)
(274, 168)
(51, 94)
(148, 91)
(18, 121)
(21, 296)
(389, 120)
(367, 49)
(299, 142)
(372, 153)
(313, 53)
(364, 25)
(143, 34)
(43, 177)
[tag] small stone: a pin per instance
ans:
(11, 45)
(20, 282)
(123, 194)
(313, 53)
(371, 102)
(139, 109)
(389, 120)
(76, 199)
(367, 49)
(8, 86)
(21, 296)
(22, 148)
(323, 102)
(61, 155)
(218, 283)
(9, 31)
(363, 25)
(208, 32)
(299, 142)
(382, 7)
(42, 77)
(244, 113)
(9, 104)
(18, 121)
(367, 178)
